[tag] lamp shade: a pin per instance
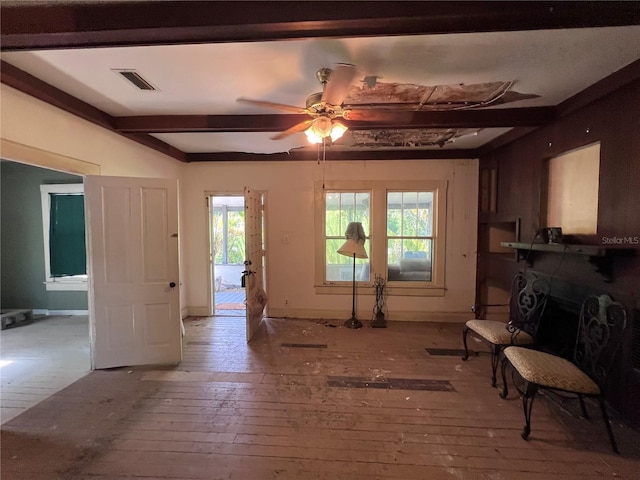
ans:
(352, 248)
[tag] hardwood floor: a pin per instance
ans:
(342, 404)
(40, 358)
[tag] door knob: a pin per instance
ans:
(172, 284)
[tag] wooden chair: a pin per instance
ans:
(527, 302)
(600, 331)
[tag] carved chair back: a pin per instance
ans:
(527, 303)
(600, 332)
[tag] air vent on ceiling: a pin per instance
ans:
(135, 78)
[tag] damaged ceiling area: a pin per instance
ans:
(408, 97)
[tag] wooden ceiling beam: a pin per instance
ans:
(331, 155)
(493, 118)
(29, 26)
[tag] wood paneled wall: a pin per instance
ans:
(614, 121)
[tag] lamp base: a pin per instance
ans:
(353, 322)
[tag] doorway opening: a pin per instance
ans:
(227, 254)
(48, 348)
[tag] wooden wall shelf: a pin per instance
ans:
(601, 257)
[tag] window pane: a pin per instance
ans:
(409, 219)
(332, 218)
(66, 235)
(409, 259)
(394, 214)
(425, 216)
(409, 214)
(362, 210)
(342, 208)
(339, 268)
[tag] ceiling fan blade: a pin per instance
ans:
(279, 106)
(378, 115)
(339, 82)
(295, 129)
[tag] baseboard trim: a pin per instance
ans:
(407, 316)
(51, 313)
(198, 311)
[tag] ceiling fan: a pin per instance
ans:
(325, 108)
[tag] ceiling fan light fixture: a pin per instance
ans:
(312, 137)
(323, 127)
(337, 131)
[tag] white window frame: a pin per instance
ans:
(376, 244)
(70, 283)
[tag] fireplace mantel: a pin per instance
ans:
(599, 256)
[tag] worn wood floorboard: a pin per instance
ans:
(265, 411)
(40, 358)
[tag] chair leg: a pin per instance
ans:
(503, 370)
(607, 423)
(495, 355)
(527, 403)
(465, 330)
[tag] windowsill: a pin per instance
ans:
(392, 290)
(68, 285)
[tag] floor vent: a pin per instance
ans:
(135, 78)
(454, 352)
(391, 383)
(199, 342)
(635, 339)
(304, 345)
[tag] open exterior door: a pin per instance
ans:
(132, 241)
(254, 273)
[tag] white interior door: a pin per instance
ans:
(132, 245)
(254, 255)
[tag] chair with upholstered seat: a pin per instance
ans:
(527, 302)
(600, 331)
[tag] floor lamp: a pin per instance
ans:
(354, 247)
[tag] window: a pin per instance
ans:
(342, 208)
(63, 229)
(405, 226)
(409, 236)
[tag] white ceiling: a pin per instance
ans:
(207, 79)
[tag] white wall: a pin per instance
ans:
(289, 210)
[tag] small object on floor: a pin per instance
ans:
(304, 345)
(15, 317)
(378, 313)
(448, 351)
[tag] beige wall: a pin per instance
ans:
(289, 210)
(32, 130)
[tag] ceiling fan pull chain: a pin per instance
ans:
(324, 159)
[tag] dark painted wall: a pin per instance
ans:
(21, 243)
(614, 120)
